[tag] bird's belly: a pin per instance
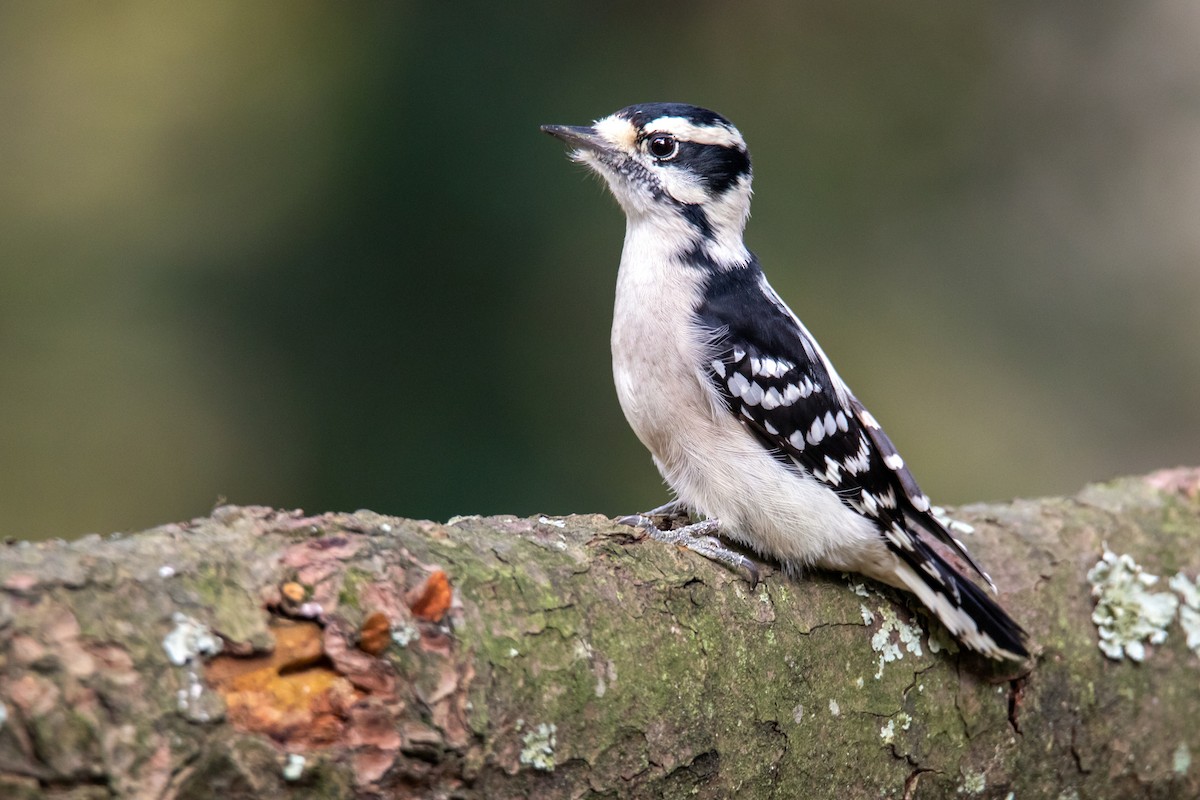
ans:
(717, 466)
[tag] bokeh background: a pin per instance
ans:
(318, 255)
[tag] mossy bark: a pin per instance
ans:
(570, 658)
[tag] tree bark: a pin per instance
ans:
(370, 656)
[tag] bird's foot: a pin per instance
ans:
(699, 537)
(674, 514)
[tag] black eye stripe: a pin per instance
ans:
(717, 167)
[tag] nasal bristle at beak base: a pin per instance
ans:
(580, 136)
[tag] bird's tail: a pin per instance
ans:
(966, 610)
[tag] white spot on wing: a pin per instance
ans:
(719, 367)
(830, 423)
(791, 394)
(772, 399)
(899, 536)
(834, 473)
(867, 419)
(816, 432)
(753, 396)
(929, 567)
(738, 385)
(796, 440)
(894, 461)
(860, 461)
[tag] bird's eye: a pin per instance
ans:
(662, 146)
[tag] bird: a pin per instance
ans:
(745, 417)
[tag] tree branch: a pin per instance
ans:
(363, 656)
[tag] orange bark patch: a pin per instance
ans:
(293, 592)
(430, 600)
(293, 694)
(376, 634)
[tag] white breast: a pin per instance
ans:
(653, 346)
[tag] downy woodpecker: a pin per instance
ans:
(745, 416)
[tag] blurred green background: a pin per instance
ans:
(318, 255)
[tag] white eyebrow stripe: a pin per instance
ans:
(700, 134)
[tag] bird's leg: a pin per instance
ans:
(699, 537)
(672, 512)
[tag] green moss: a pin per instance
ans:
(350, 593)
(68, 742)
(235, 768)
(15, 788)
(235, 613)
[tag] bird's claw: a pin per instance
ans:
(699, 538)
(673, 512)
(637, 521)
(714, 549)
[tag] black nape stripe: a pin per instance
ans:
(697, 257)
(694, 214)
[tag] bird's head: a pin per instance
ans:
(669, 160)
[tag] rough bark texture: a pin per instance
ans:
(503, 657)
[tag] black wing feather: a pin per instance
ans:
(775, 379)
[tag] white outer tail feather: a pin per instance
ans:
(956, 619)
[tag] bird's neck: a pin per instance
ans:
(705, 237)
(726, 217)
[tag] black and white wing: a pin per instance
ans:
(775, 378)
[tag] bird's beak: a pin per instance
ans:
(584, 137)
